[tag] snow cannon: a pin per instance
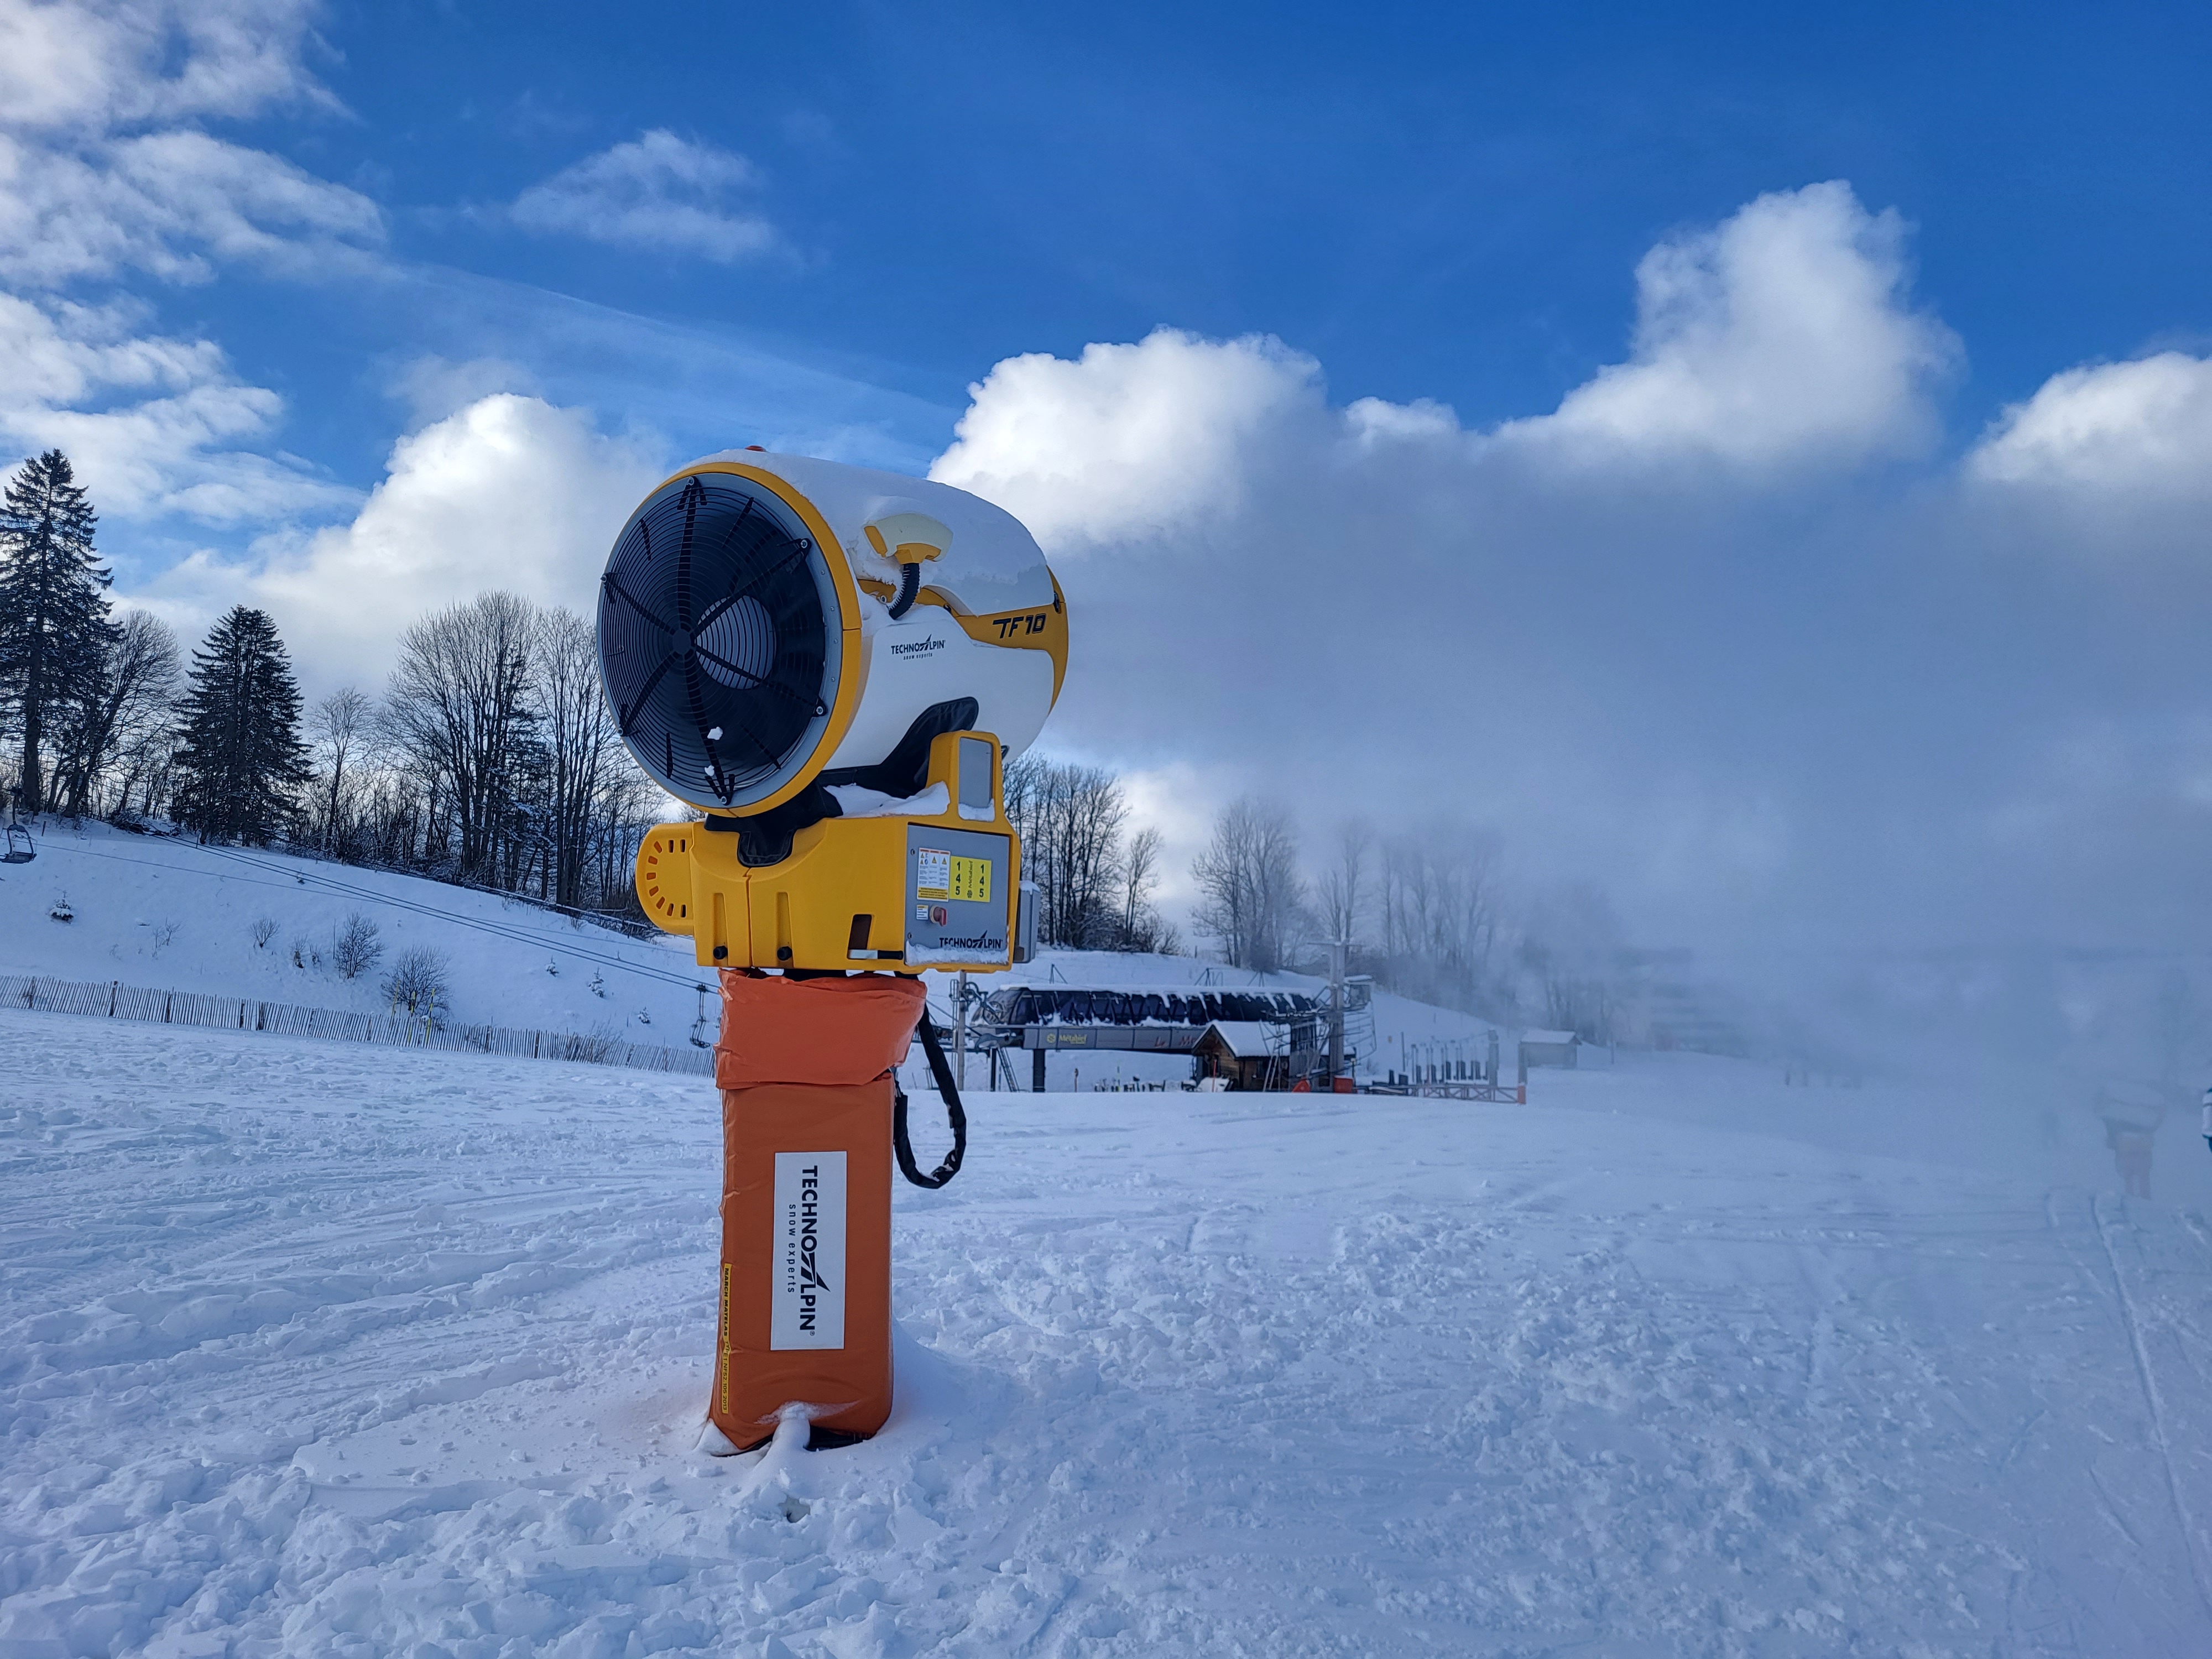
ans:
(833, 664)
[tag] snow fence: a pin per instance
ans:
(117, 1000)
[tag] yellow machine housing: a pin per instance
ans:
(899, 891)
(790, 645)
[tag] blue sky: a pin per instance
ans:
(1436, 201)
(1765, 412)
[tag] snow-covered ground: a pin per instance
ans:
(312, 1349)
(174, 915)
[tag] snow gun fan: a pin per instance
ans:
(832, 663)
(718, 641)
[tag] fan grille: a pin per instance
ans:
(716, 640)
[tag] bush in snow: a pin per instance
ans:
(599, 1045)
(356, 947)
(417, 983)
(263, 931)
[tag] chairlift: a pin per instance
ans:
(20, 850)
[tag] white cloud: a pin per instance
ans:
(155, 425)
(434, 387)
(658, 192)
(2141, 427)
(102, 64)
(510, 492)
(1783, 338)
(173, 204)
(1779, 343)
(1130, 440)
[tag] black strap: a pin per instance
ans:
(954, 1114)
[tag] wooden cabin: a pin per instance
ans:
(1244, 1054)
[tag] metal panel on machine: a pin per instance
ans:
(958, 893)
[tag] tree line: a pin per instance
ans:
(490, 757)
(1094, 880)
(1426, 910)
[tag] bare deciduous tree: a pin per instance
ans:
(417, 983)
(339, 727)
(584, 759)
(1342, 890)
(1140, 874)
(1440, 914)
(1254, 896)
(356, 945)
(458, 710)
(1070, 818)
(128, 703)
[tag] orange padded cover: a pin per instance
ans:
(813, 1031)
(805, 1066)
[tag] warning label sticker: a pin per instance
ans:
(932, 873)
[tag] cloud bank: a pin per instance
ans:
(1725, 630)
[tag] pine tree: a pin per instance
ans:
(54, 631)
(241, 758)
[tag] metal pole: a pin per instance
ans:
(1338, 949)
(960, 1031)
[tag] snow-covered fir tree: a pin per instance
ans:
(54, 631)
(241, 761)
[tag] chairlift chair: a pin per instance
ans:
(20, 850)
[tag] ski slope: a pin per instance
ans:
(173, 915)
(314, 1349)
(170, 914)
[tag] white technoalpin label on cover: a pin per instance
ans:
(806, 1304)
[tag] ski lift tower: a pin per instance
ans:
(1339, 951)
